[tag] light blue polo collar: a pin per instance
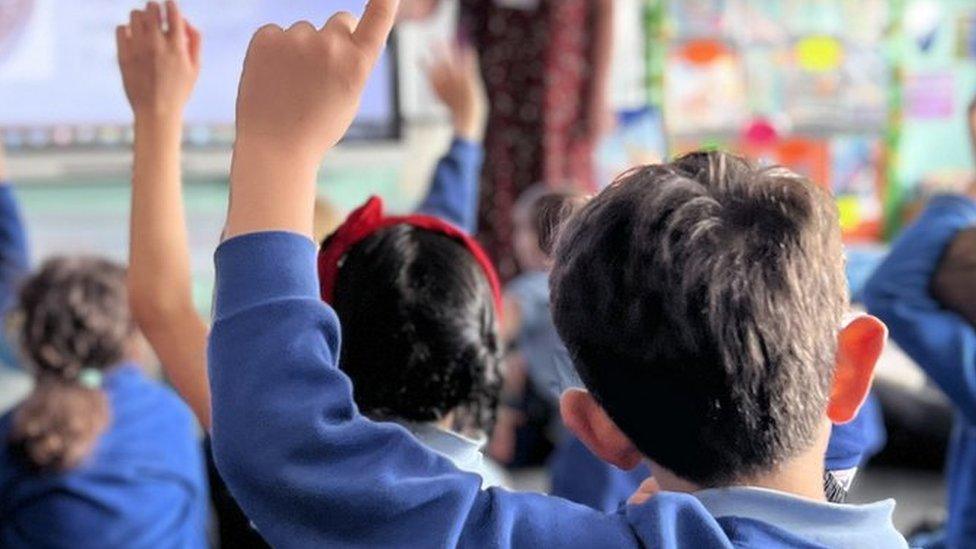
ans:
(831, 524)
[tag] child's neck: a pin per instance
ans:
(446, 423)
(801, 476)
(792, 478)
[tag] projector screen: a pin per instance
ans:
(60, 84)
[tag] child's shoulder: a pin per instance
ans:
(141, 405)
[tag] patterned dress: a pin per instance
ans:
(535, 61)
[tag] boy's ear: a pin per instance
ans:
(859, 346)
(590, 423)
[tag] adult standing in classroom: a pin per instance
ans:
(546, 67)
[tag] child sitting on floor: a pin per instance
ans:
(160, 279)
(707, 292)
(926, 292)
(416, 301)
(575, 472)
(97, 455)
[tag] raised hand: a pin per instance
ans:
(159, 59)
(453, 75)
(301, 87)
(299, 93)
(160, 62)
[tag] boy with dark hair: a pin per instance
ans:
(926, 292)
(715, 297)
(727, 279)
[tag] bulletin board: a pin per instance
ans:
(854, 94)
(937, 59)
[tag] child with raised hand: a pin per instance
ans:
(925, 292)
(97, 455)
(418, 297)
(749, 389)
(448, 359)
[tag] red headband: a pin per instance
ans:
(369, 219)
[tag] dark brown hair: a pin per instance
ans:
(546, 210)
(954, 283)
(74, 323)
(419, 331)
(554, 209)
(707, 291)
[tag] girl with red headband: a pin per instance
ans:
(418, 296)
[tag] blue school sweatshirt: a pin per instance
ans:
(14, 263)
(577, 474)
(311, 471)
(453, 193)
(940, 341)
(142, 487)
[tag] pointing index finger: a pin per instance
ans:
(375, 25)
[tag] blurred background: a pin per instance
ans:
(866, 97)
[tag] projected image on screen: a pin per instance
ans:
(60, 86)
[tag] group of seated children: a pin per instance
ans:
(690, 323)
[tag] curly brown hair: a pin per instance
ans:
(72, 317)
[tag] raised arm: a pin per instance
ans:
(14, 253)
(942, 343)
(306, 467)
(453, 193)
(159, 67)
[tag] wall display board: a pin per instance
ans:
(865, 97)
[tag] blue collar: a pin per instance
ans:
(831, 524)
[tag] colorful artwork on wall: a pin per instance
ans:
(854, 93)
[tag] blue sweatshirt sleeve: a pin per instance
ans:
(14, 261)
(14, 256)
(453, 194)
(306, 467)
(940, 341)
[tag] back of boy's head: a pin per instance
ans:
(701, 301)
(954, 283)
(420, 336)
